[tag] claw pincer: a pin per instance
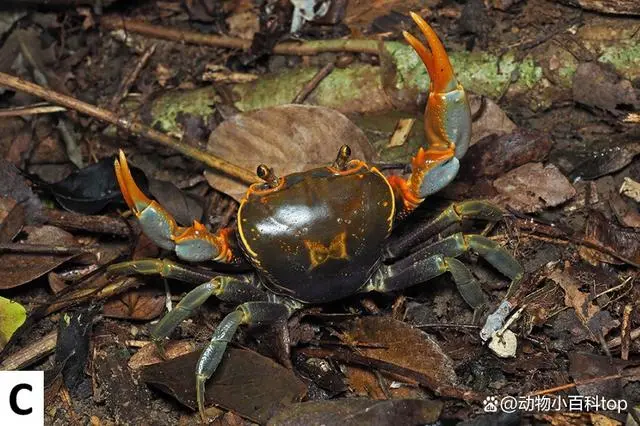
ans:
(194, 243)
(447, 124)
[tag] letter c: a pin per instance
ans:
(13, 399)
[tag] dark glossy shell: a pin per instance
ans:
(317, 236)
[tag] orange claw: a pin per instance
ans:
(133, 196)
(435, 58)
(194, 243)
(447, 124)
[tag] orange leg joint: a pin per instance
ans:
(194, 243)
(447, 124)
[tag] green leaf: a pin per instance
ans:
(12, 316)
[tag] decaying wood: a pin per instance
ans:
(618, 7)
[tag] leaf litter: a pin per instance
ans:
(572, 328)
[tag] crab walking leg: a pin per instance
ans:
(447, 124)
(438, 258)
(250, 313)
(392, 278)
(225, 288)
(455, 213)
(164, 267)
(194, 243)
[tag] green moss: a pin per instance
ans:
(197, 102)
(625, 57)
(271, 89)
(530, 73)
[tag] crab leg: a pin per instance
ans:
(455, 213)
(225, 288)
(194, 243)
(438, 258)
(447, 124)
(250, 313)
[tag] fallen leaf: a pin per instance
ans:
(361, 13)
(347, 412)
(581, 302)
(606, 161)
(596, 323)
(584, 366)
(287, 138)
(15, 186)
(405, 346)
(91, 189)
(20, 268)
(143, 304)
(11, 219)
(595, 86)
(533, 187)
(494, 155)
(72, 347)
(492, 121)
(603, 233)
(184, 207)
(12, 316)
(324, 374)
(245, 382)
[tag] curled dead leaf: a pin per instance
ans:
(287, 138)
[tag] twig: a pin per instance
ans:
(94, 224)
(447, 325)
(21, 111)
(629, 373)
(625, 334)
(401, 132)
(617, 341)
(128, 81)
(194, 37)
(31, 353)
(313, 83)
(38, 249)
(133, 126)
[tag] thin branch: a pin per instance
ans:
(313, 83)
(197, 38)
(132, 126)
(128, 81)
(21, 111)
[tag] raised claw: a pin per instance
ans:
(194, 243)
(447, 123)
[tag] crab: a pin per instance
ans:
(324, 234)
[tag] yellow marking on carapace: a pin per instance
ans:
(253, 254)
(319, 253)
(392, 214)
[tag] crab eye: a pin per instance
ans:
(266, 173)
(343, 157)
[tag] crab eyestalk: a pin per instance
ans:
(344, 153)
(194, 243)
(447, 124)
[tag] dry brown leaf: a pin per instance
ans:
(581, 302)
(20, 268)
(532, 187)
(405, 346)
(604, 233)
(287, 138)
(143, 304)
(245, 382)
